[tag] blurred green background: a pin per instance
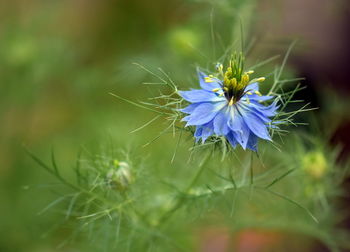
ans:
(60, 59)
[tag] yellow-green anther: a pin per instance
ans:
(240, 86)
(208, 79)
(245, 79)
(226, 81)
(235, 79)
(219, 67)
(234, 82)
(258, 93)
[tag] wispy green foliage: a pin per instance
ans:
(143, 215)
(162, 197)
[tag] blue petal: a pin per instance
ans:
(220, 123)
(266, 110)
(206, 132)
(190, 108)
(255, 97)
(208, 85)
(256, 125)
(231, 139)
(239, 130)
(198, 133)
(235, 121)
(252, 87)
(252, 142)
(186, 118)
(199, 95)
(204, 113)
(250, 108)
(242, 137)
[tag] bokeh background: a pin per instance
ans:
(59, 60)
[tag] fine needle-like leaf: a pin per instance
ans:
(280, 178)
(136, 104)
(292, 201)
(146, 124)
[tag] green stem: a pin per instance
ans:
(195, 179)
(180, 200)
(251, 169)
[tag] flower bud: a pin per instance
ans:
(120, 176)
(315, 164)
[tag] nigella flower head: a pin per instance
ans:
(229, 104)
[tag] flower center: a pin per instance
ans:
(235, 79)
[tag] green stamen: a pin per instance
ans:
(235, 79)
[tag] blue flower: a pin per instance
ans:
(230, 107)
